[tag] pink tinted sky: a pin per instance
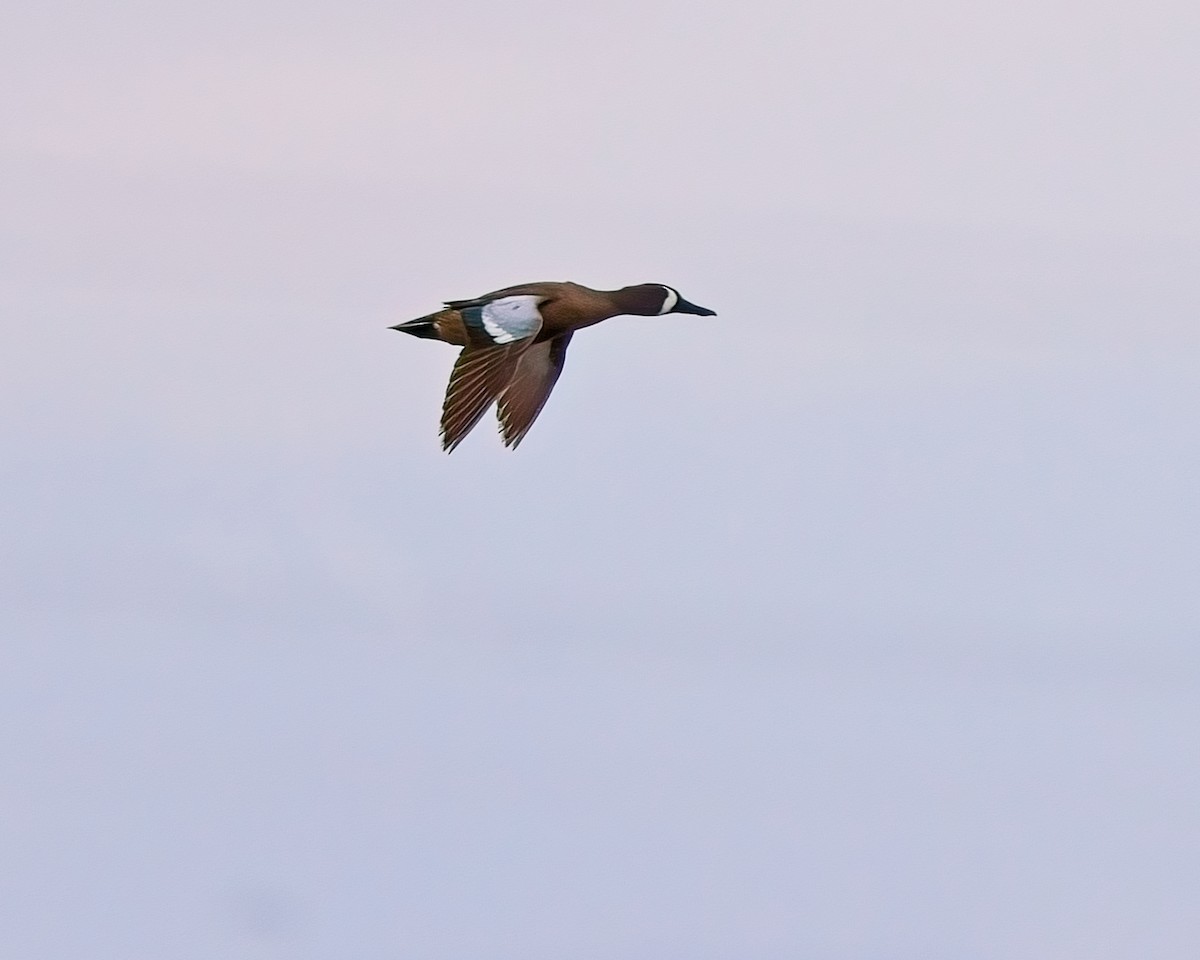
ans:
(858, 621)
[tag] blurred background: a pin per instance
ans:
(859, 621)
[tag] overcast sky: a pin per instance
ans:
(858, 622)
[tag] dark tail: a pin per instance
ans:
(422, 327)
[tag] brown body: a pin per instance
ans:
(517, 370)
(565, 308)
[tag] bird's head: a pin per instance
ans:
(657, 299)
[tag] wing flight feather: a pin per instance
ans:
(527, 390)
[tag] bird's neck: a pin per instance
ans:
(641, 301)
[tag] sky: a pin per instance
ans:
(858, 622)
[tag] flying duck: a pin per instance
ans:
(514, 342)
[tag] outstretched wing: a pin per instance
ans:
(499, 332)
(523, 398)
(543, 291)
(480, 375)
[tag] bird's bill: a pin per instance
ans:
(684, 307)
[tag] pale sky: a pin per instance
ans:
(859, 621)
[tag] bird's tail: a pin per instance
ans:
(421, 327)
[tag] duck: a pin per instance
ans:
(514, 342)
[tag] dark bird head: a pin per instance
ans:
(656, 299)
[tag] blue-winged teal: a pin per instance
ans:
(514, 342)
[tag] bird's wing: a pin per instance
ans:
(500, 321)
(543, 291)
(499, 332)
(480, 375)
(523, 398)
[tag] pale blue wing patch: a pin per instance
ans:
(503, 321)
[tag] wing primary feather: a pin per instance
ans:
(479, 377)
(529, 387)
